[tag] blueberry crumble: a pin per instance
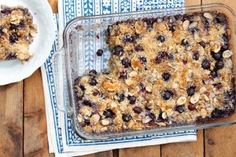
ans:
(16, 33)
(163, 71)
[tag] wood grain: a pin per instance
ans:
(192, 2)
(149, 151)
(101, 154)
(11, 123)
(35, 131)
(186, 149)
(54, 5)
(221, 141)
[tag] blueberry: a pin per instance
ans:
(143, 59)
(92, 72)
(167, 94)
(205, 23)
(126, 62)
(219, 64)
(160, 117)
(93, 82)
(160, 56)
(217, 85)
(126, 117)
(118, 50)
(193, 30)
(202, 43)
(147, 108)
(128, 38)
(142, 86)
(191, 90)
(206, 64)
(82, 87)
(11, 56)
(152, 116)
(158, 59)
(216, 56)
(138, 48)
(21, 24)
(220, 19)
(178, 17)
(171, 19)
(229, 95)
(149, 22)
(185, 62)
(188, 17)
(123, 75)
(214, 73)
(161, 38)
(185, 43)
(171, 28)
(87, 103)
(217, 113)
(132, 99)
(6, 11)
(196, 55)
(137, 109)
(108, 113)
(224, 47)
(180, 108)
(86, 122)
(191, 107)
(199, 119)
(14, 27)
(96, 93)
(170, 56)
(225, 38)
(13, 38)
(166, 76)
(1, 31)
(121, 97)
(99, 52)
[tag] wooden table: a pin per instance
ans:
(23, 124)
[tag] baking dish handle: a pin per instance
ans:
(59, 79)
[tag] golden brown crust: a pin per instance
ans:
(16, 33)
(164, 71)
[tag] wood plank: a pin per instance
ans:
(35, 131)
(11, 123)
(54, 5)
(221, 141)
(101, 154)
(186, 149)
(149, 151)
(227, 2)
(155, 150)
(192, 2)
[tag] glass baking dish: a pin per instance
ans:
(84, 35)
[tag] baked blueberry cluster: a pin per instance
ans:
(164, 71)
(16, 33)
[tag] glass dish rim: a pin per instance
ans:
(108, 135)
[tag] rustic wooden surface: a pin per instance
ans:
(23, 124)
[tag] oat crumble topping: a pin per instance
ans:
(164, 71)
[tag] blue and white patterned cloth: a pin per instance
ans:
(62, 138)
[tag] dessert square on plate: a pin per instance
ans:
(16, 33)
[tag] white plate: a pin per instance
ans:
(14, 71)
